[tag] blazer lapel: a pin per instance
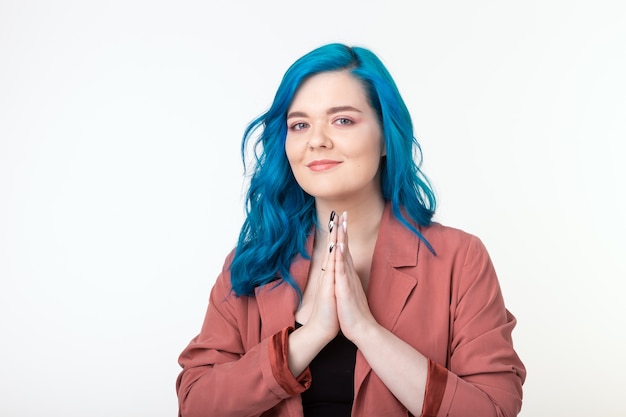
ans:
(389, 287)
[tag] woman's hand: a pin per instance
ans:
(400, 367)
(324, 320)
(322, 325)
(353, 312)
(340, 302)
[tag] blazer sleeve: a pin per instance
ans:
(484, 374)
(220, 377)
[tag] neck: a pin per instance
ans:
(364, 217)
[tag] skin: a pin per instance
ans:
(330, 121)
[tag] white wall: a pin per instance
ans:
(120, 179)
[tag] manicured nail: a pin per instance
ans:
(341, 247)
(332, 246)
(331, 225)
(332, 215)
(345, 221)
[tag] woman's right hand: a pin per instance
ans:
(323, 324)
(324, 320)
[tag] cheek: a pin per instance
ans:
(289, 150)
(294, 155)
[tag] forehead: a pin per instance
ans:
(330, 89)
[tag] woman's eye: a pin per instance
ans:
(298, 126)
(343, 121)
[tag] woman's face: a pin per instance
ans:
(334, 141)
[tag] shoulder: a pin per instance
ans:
(456, 250)
(450, 239)
(222, 287)
(462, 256)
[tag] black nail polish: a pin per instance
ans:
(332, 246)
(331, 223)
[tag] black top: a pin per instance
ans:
(332, 386)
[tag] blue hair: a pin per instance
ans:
(279, 214)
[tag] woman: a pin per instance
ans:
(342, 296)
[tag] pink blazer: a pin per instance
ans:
(449, 307)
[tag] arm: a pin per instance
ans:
(485, 372)
(220, 377)
(399, 366)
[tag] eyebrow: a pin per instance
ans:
(332, 110)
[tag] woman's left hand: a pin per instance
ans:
(353, 311)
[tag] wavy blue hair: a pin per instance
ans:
(279, 214)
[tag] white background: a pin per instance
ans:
(121, 182)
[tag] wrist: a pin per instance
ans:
(304, 345)
(318, 335)
(368, 332)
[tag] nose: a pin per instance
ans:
(319, 138)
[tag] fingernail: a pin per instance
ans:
(341, 247)
(331, 224)
(345, 221)
(332, 215)
(332, 246)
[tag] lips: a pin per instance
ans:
(322, 165)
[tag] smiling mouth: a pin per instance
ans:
(322, 165)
